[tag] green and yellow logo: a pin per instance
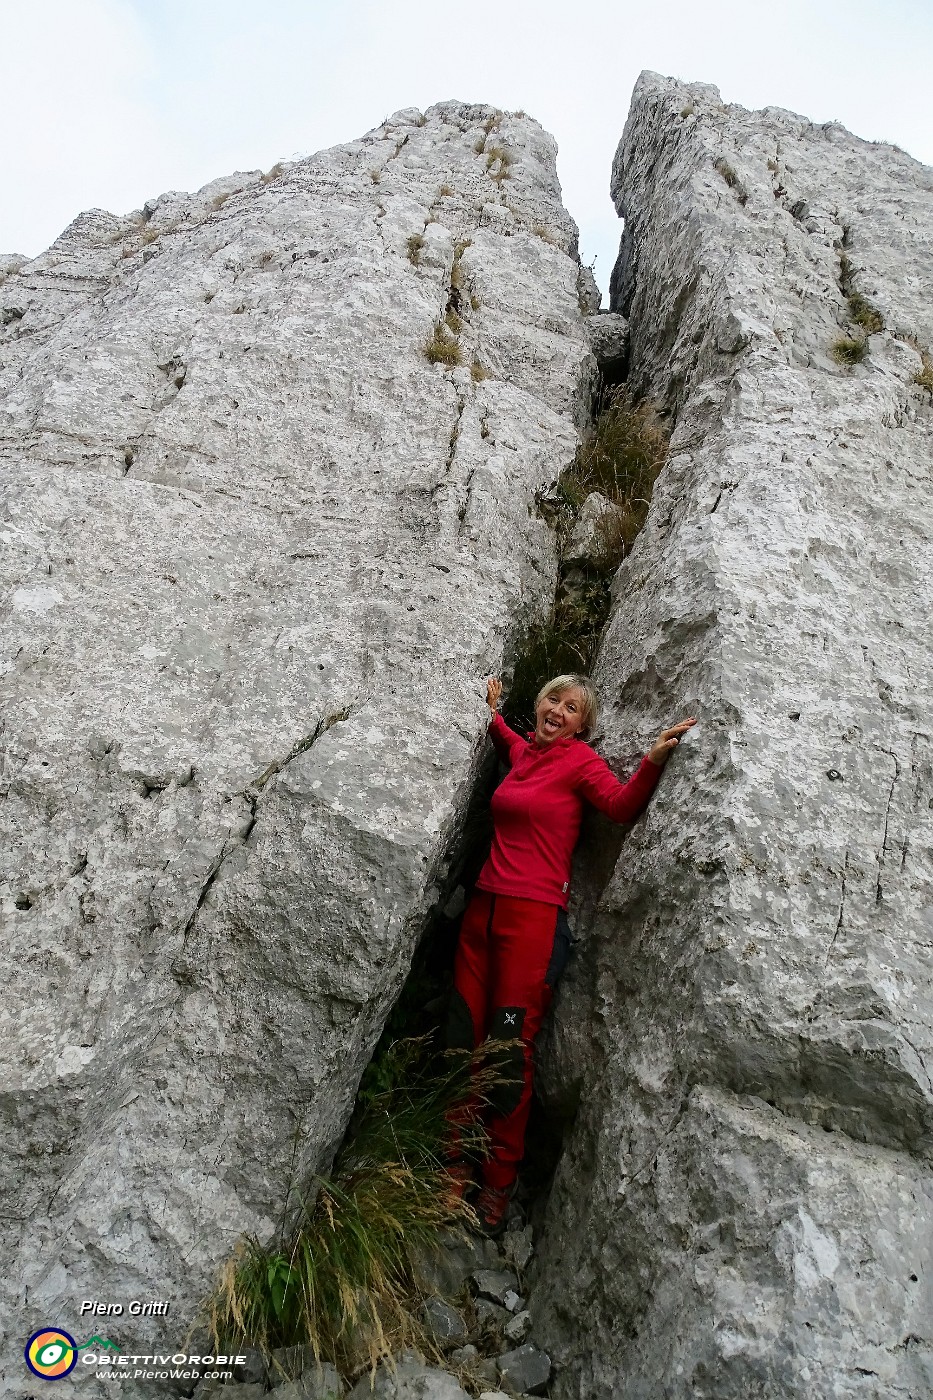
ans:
(53, 1353)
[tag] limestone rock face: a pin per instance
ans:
(258, 555)
(745, 1205)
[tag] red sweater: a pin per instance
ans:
(537, 809)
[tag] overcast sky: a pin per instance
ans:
(108, 102)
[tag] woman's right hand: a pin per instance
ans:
(493, 693)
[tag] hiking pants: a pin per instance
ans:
(510, 954)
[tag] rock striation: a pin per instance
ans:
(259, 551)
(744, 1207)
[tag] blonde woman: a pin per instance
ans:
(514, 938)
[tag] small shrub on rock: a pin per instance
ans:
(441, 348)
(849, 350)
(864, 314)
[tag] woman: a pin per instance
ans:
(514, 937)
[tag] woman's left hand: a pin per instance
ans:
(668, 741)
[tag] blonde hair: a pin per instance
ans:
(590, 699)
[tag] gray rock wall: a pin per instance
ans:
(258, 555)
(745, 1205)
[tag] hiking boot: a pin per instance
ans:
(459, 1179)
(491, 1208)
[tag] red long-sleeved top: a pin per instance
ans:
(538, 807)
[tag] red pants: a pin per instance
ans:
(510, 954)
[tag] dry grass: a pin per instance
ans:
(341, 1280)
(375, 176)
(687, 111)
(864, 314)
(498, 164)
(479, 145)
(445, 192)
(415, 243)
(544, 233)
(475, 302)
(849, 350)
(620, 458)
(441, 348)
(731, 178)
(453, 321)
(220, 200)
(273, 174)
(477, 372)
(924, 376)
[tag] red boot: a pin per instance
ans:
(459, 1178)
(491, 1208)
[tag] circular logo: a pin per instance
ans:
(51, 1354)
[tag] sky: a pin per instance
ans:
(106, 103)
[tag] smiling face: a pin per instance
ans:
(560, 715)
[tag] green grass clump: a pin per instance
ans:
(441, 348)
(849, 350)
(342, 1280)
(864, 314)
(620, 457)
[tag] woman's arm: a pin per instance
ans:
(623, 802)
(501, 735)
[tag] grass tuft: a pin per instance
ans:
(475, 302)
(498, 164)
(342, 1279)
(375, 176)
(415, 243)
(924, 376)
(479, 145)
(864, 314)
(620, 457)
(220, 200)
(478, 372)
(445, 192)
(453, 321)
(849, 350)
(441, 348)
(731, 178)
(273, 174)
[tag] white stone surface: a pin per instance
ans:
(258, 557)
(745, 1207)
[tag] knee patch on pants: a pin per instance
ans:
(508, 1060)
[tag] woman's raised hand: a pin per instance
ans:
(493, 693)
(668, 741)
